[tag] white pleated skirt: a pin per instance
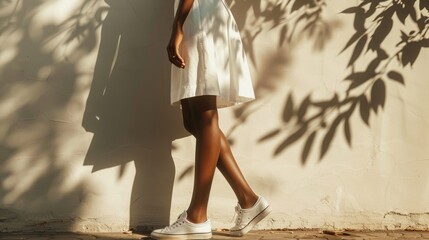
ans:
(216, 64)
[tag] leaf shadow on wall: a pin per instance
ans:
(128, 108)
(294, 22)
(367, 88)
(38, 89)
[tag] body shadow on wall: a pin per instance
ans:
(128, 107)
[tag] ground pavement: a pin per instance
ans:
(218, 235)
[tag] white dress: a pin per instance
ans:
(215, 60)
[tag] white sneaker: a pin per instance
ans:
(248, 218)
(183, 229)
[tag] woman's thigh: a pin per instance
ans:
(201, 103)
(196, 109)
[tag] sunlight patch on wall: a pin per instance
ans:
(21, 178)
(8, 49)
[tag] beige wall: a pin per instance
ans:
(67, 66)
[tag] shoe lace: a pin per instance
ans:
(237, 215)
(176, 224)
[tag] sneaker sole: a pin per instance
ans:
(184, 236)
(256, 220)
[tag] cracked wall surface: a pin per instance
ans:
(88, 141)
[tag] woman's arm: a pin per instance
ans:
(183, 11)
(177, 33)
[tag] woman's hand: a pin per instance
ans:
(174, 45)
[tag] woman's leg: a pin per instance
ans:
(226, 162)
(228, 166)
(204, 115)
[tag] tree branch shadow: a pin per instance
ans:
(367, 89)
(37, 91)
(294, 21)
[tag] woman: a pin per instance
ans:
(210, 71)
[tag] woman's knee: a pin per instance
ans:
(208, 118)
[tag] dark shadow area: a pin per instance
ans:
(128, 108)
(374, 21)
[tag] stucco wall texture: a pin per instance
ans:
(88, 141)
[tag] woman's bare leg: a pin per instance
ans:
(225, 163)
(204, 115)
(229, 168)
